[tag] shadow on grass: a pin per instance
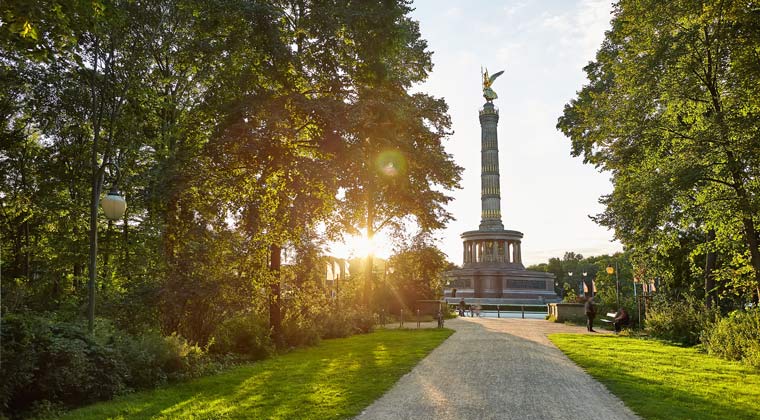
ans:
(661, 381)
(335, 379)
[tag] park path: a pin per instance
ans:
(498, 369)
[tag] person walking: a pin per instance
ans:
(590, 314)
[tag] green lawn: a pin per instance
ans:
(662, 381)
(336, 379)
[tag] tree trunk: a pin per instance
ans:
(750, 232)
(108, 249)
(710, 260)
(370, 230)
(275, 315)
(27, 251)
(93, 265)
(78, 268)
(97, 174)
(125, 239)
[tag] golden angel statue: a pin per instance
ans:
(488, 93)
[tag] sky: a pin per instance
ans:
(543, 46)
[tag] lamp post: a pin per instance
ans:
(610, 271)
(114, 206)
(570, 274)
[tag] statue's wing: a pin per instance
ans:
(495, 75)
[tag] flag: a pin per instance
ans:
(593, 287)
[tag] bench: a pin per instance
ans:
(609, 321)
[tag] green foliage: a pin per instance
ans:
(347, 321)
(680, 321)
(661, 381)
(236, 134)
(418, 268)
(671, 111)
(569, 294)
(335, 379)
(47, 362)
(736, 337)
(56, 361)
(245, 334)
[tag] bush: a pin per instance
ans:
(336, 324)
(47, 363)
(60, 362)
(679, 321)
(145, 356)
(245, 335)
(736, 337)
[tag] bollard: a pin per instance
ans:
(522, 307)
(498, 311)
(418, 318)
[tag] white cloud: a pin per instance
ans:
(581, 30)
(454, 12)
(512, 9)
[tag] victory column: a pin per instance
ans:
(492, 270)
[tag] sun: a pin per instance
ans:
(359, 246)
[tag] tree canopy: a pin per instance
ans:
(281, 125)
(671, 111)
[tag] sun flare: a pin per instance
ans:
(359, 246)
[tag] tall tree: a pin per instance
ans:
(671, 110)
(397, 169)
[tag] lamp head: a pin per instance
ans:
(114, 205)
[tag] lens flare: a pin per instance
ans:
(391, 163)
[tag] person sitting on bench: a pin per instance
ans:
(621, 319)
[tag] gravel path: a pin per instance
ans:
(498, 369)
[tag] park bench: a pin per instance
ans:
(611, 318)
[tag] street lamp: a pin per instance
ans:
(114, 206)
(610, 271)
(580, 288)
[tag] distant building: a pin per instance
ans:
(336, 272)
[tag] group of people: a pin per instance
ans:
(474, 309)
(621, 316)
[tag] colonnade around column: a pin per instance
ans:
(492, 251)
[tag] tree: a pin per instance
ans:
(417, 274)
(396, 169)
(671, 111)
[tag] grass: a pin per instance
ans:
(663, 381)
(336, 379)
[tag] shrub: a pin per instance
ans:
(299, 330)
(679, 321)
(47, 363)
(145, 356)
(55, 361)
(736, 337)
(363, 322)
(245, 335)
(335, 324)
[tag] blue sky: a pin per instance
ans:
(543, 45)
